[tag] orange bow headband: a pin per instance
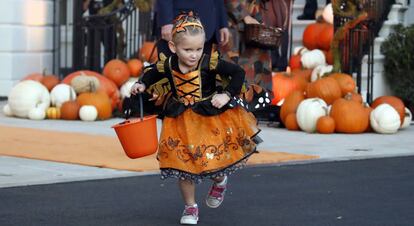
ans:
(183, 21)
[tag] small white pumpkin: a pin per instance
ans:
(308, 113)
(7, 111)
(27, 95)
(37, 113)
(319, 71)
(62, 93)
(300, 50)
(313, 58)
(126, 87)
(88, 113)
(407, 119)
(385, 119)
(327, 14)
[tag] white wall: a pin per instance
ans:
(26, 40)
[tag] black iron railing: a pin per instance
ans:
(359, 42)
(88, 42)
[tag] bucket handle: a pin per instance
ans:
(128, 110)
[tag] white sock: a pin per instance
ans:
(223, 182)
(194, 205)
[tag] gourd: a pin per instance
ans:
(83, 83)
(27, 95)
(385, 119)
(117, 71)
(7, 111)
(88, 113)
(37, 113)
(308, 112)
(313, 58)
(407, 119)
(62, 93)
(53, 113)
(319, 71)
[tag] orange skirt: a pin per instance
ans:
(193, 146)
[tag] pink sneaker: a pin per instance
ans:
(190, 215)
(216, 194)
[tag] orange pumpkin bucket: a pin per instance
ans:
(138, 137)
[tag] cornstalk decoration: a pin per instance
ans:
(349, 9)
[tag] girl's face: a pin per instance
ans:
(189, 49)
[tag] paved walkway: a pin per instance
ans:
(334, 147)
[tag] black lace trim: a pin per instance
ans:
(198, 178)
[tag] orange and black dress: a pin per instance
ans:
(197, 139)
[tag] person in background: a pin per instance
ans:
(310, 9)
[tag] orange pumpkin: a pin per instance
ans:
(311, 34)
(70, 110)
(98, 99)
(304, 73)
(50, 81)
(325, 125)
(328, 56)
(345, 81)
(148, 52)
(117, 71)
(283, 83)
(394, 101)
(326, 88)
(135, 67)
(291, 103)
(325, 37)
(106, 85)
(294, 62)
(291, 123)
(350, 116)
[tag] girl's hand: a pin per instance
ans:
(137, 88)
(219, 100)
(250, 20)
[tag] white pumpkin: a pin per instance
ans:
(327, 14)
(308, 113)
(126, 87)
(88, 113)
(37, 113)
(27, 95)
(313, 58)
(385, 119)
(62, 93)
(407, 119)
(7, 111)
(319, 71)
(300, 50)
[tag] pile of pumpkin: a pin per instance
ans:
(329, 104)
(84, 94)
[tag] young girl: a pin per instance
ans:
(202, 135)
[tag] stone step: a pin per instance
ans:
(397, 13)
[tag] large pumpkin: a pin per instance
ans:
(345, 81)
(98, 99)
(148, 52)
(291, 104)
(326, 88)
(283, 83)
(311, 34)
(106, 85)
(117, 71)
(350, 116)
(394, 101)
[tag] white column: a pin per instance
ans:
(26, 40)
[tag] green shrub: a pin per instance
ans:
(398, 50)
